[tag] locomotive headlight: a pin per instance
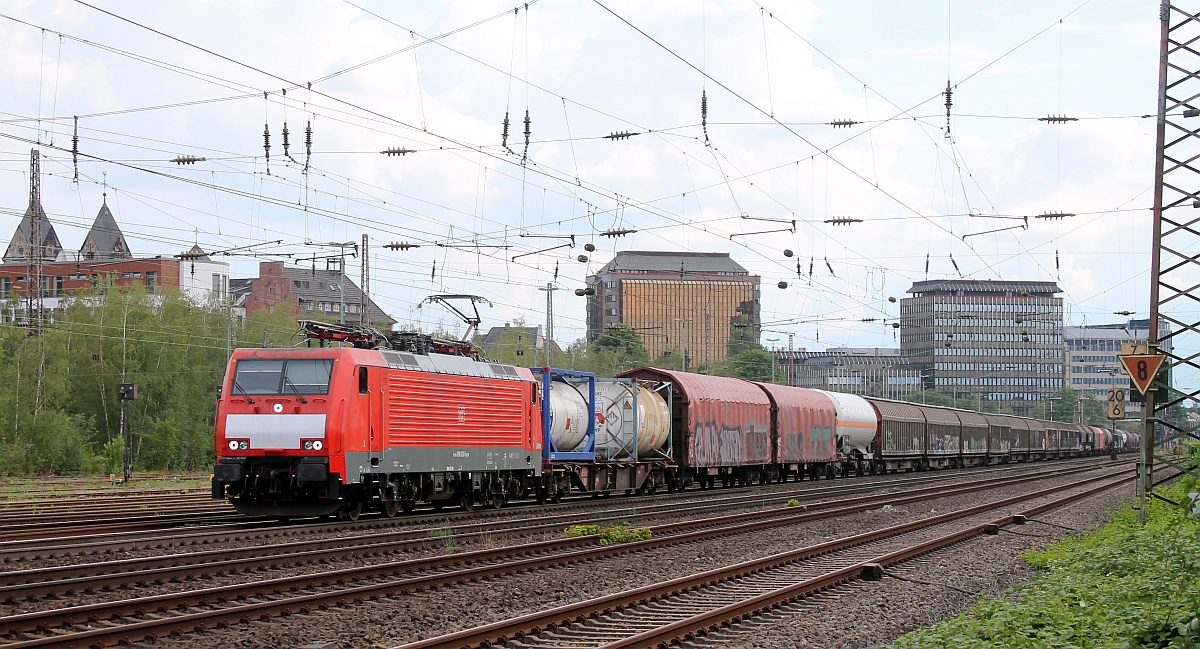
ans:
(317, 445)
(308, 446)
(233, 445)
(243, 445)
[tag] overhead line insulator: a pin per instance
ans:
(616, 233)
(398, 150)
(620, 135)
(843, 220)
(187, 160)
(843, 123)
(400, 245)
(1057, 119)
(1049, 216)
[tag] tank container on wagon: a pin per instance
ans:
(857, 424)
(974, 437)
(568, 416)
(902, 433)
(945, 436)
(1103, 438)
(804, 421)
(634, 420)
(716, 421)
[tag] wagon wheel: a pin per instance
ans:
(354, 509)
(497, 500)
(468, 502)
(389, 507)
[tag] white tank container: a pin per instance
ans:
(650, 425)
(856, 420)
(568, 416)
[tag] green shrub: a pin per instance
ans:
(581, 530)
(1127, 585)
(792, 503)
(609, 535)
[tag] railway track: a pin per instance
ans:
(90, 578)
(685, 609)
(100, 536)
(160, 615)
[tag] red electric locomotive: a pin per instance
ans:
(318, 431)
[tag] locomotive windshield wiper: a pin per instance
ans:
(236, 386)
(288, 382)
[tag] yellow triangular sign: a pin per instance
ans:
(1142, 368)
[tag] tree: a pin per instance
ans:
(751, 365)
(742, 337)
(617, 349)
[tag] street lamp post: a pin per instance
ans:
(772, 350)
(683, 345)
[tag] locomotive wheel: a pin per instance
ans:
(389, 507)
(556, 497)
(542, 499)
(354, 510)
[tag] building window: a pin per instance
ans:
(151, 281)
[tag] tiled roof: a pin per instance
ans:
(325, 286)
(105, 239)
(49, 243)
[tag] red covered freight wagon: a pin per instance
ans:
(720, 426)
(802, 423)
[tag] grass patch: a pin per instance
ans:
(621, 533)
(1127, 585)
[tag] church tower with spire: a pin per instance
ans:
(105, 240)
(22, 249)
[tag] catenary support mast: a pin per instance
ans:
(1174, 330)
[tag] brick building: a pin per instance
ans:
(683, 301)
(311, 293)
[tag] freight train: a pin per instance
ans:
(365, 421)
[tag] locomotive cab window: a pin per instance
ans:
(292, 376)
(362, 380)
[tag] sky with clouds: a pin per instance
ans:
(762, 172)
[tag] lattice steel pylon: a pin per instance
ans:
(1174, 328)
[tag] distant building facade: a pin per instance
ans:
(103, 258)
(683, 301)
(999, 342)
(872, 371)
(1092, 365)
(517, 341)
(311, 293)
